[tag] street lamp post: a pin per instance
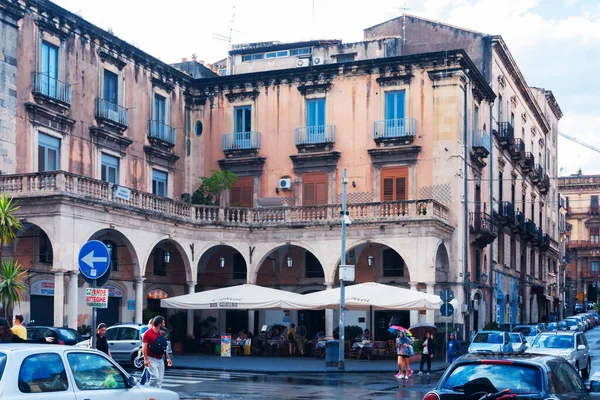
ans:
(344, 219)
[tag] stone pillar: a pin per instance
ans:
(59, 298)
(527, 304)
(190, 313)
(534, 313)
(251, 322)
(430, 313)
(414, 314)
(73, 299)
(329, 318)
(139, 300)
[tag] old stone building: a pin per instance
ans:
(582, 228)
(106, 142)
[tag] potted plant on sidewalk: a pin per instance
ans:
(178, 326)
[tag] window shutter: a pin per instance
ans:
(321, 192)
(308, 198)
(388, 189)
(247, 195)
(235, 196)
(400, 188)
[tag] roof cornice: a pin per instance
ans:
(510, 64)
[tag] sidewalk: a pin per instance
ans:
(289, 364)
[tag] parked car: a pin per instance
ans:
(124, 342)
(66, 336)
(573, 346)
(578, 308)
(518, 342)
(580, 322)
(491, 342)
(530, 376)
(572, 325)
(529, 332)
(70, 373)
(556, 326)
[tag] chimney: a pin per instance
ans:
(184, 59)
(579, 172)
(194, 57)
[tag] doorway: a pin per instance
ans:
(313, 320)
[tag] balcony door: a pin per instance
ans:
(314, 188)
(48, 153)
(394, 113)
(49, 70)
(242, 126)
(242, 192)
(315, 121)
(111, 87)
(394, 184)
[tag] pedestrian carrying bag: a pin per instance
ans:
(290, 336)
(159, 346)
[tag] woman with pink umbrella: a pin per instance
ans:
(402, 345)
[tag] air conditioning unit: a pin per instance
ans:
(476, 305)
(464, 308)
(285, 184)
(318, 60)
(303, 61)
(520, 299)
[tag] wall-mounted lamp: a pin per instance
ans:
(370, 260)
(167, 257)
(222, 262)
(277, 190)
(290, 262)
(109, 246)
(484, 277)
(353, 184)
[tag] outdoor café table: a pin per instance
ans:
(362, 346)
(320, 344)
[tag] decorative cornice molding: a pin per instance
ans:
(239, 96)
(308, 88)
(112, 57)
(162, 83)
(398, 79)
(247, 166)
(110, 140)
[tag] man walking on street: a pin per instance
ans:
(154, 347)
(145, 374)
(101, 342)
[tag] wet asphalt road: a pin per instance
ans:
(196, 384)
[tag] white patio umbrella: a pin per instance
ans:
(241, 297)
(372, 294)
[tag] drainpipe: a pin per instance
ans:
(492, 175)
(466, 207)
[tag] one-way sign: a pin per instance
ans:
(94, 259)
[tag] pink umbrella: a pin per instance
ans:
(396, 328)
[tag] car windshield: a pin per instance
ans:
(68, 334)
(519, 378)
(488, 337)
(551, 326)
(553, 342)
(570, 322)
(525, 330)
(514, 337)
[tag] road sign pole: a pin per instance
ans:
(94, 319)
(447, 337)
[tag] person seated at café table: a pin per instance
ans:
(274, 334)
(320, 336)
(366, 335)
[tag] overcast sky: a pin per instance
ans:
(556, 43)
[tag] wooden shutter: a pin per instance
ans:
(394, 184)
(242, 192)
(314, 186)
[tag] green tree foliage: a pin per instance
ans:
(12, 284)
(9, 223)
(209, 192)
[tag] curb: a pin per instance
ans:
(302, 371)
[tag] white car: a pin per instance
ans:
(39, 371)
(572, 346)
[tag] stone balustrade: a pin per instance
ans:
(54, 183)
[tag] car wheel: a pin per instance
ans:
(585, 373)
(137, 362)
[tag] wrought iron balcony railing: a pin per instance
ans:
(395, 128)
(159, 130)
(112, 112)
(51, 87)
(481, 143)
(517, 149)
(317, 134)
(241, 141)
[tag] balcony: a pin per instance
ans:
(544, 184)
(241, 144)
(505, 134)
(51, 88)
(395, 132)
(57, 184)
(528, 162)
(537, 174)
(506, 213)
(530, 229)
(542, 240)
(315, 138)
(589, 273)
(584, 244)
(484, 228)
(159, 132)
(517, 150)
(519, 226)
(113, 114)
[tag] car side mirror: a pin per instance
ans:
(595, 386)
(581, 347)
(132, 381)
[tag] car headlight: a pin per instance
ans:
(568, 356)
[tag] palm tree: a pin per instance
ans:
(12, 284)
(9, 223)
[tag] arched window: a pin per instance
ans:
(157, 294)
(393, 264)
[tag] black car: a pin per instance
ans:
(529, 376)
(66, 336)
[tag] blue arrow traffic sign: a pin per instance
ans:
(94, 259)
(446, 310)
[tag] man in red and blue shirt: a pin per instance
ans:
(154, 362)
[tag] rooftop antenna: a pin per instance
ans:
(224, 38)
(404, 26)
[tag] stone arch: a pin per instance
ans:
(43, 223)
(114, 233)
(379, 242)
(211, 271)
(168, 241)
(442, 263)
(304, 260)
